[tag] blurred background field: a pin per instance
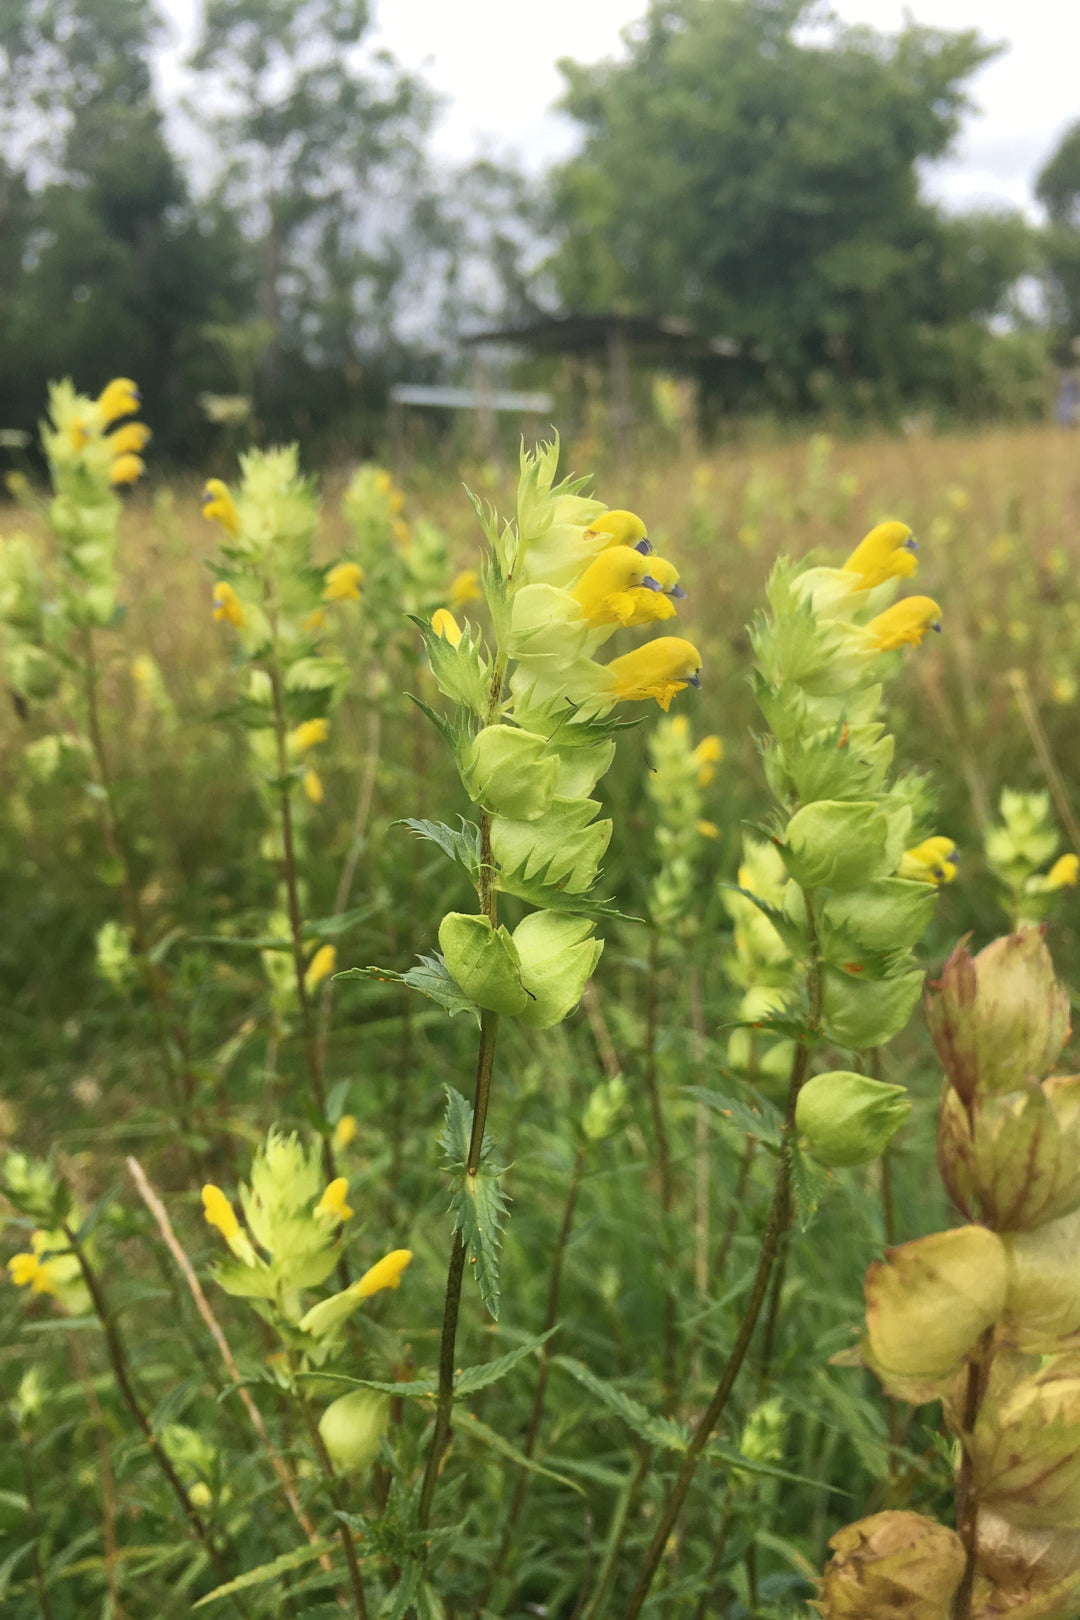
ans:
(995, 516)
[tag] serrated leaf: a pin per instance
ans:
(430, 977)
(267, 1572)
(478, 1204)
(809, 1184)
(467, 1423)
(792, 935)
(489, 1372)
(402, 1597)
(753, 1115)
(548, 896)
(316, 674)
(659, 1431)
(462, 847)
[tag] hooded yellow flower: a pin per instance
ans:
(932, 861)
(332, 1202)
(707, 756)
(657, 670)
(1063, 874)
(308, 734)
(132, 438)
(905, 623)
(465, 588)
(618, 528)
(218, 505)
(227, 604)
(605, 592)
(126, 468)
(887, 552)
(118, 398)
(445, 625)
(320, 967)
(343, 582)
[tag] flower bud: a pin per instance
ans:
(1011, 1158)
(892, 1564)
(1025, 1449)
(848, 1118)
(484, 961)
(1043, 1302)
(557, 955)
(928, 1302)
(511, 772)
(998, 1019)
(837, 844)
(352, 1429)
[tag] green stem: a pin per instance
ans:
(33, 1524)
(296, 927)
(114, 1348)
(485, 1063)
(663, 1162)
(617, 1535)
(774, 1230)
(967, 1502)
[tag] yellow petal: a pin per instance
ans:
(219, 1212)
(308, 734)
(905, 623)
(218, 504)
(227, 604)
(321, 965)
(657, 670)
(342, 582)
(126, 468)
(445, 625)
(118, 398)
(344, 1132)
(887, 552)
(332, 1202)
(313, 786)
(385, 1273)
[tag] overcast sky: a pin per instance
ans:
(494, 63)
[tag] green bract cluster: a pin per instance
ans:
(531, 737)
(844, 825)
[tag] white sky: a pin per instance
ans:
(494, 62)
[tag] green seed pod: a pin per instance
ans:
(558, 956)
(511, 772)
(484, 961)
(848, 1118)
(352, 1429)
(837, 844)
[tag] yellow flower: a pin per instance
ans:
(604, 591)
(118, 398)
(309, 733)
(932, 861)
(344, 1132)
(217, 503)
(79, 433)
(30, 1269)
(342, 583)
(227, 604)
(658, 670)
(887, 552)
(400, 531)
(905, 623)
(132, 437)
(465, 588)
(384, 484)
(707, 829)
(315, 619)
(321, 965)
(313, 786)
(445, 625)
(333, 1203)
(707, 756)
(126, 468)
(385, 1273)
(220, 1213)
(619, 528)
(1063, 874)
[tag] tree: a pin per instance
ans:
(754, 168)
(1058, 189)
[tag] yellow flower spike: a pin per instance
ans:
(126, 468)
(707, 829)
(887, 552)
(445, 625)
(344, 1133)
(905, 623)
(227, 604)
(658, 670)
(332, 1202)
(620, 528)
(308, 734)
(218, 504)
(932, 861)
(315, 620)
(465, 588)
(707, 756)
(342, 582)
(603, 592)
(1063, 874)
(133, 437)
(385, 1273)
(118, 398)
(313, 786)
(322, 964)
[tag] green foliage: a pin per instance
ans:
(478, 1203)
